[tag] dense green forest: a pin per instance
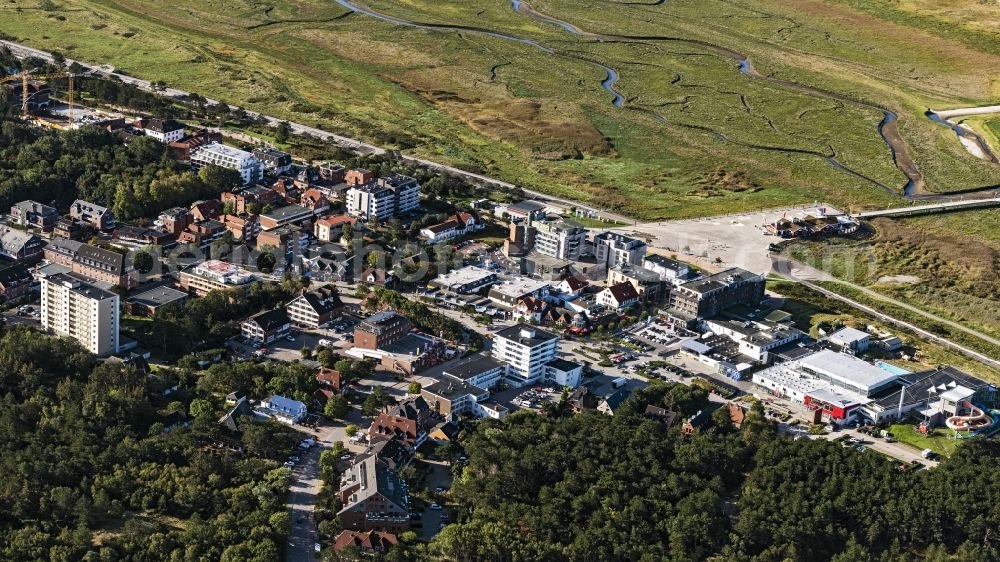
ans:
(90, 475)
(594, 488)
(137, 181)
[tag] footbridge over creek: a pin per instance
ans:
(931, 208)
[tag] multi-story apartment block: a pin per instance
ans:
(612, 249)
(374, 498)
(93, 262)
(383, 198)
(380, 329)
(265, 327)
(219, 154)
(275, 162)
(175, 220)
(74, 308)
(34, 214)
(242, 227)
(358, 176)
(560, 239)
(708, 296)
(676, 272)
(214, 275)
(315, 308)
(92, 215)
(526, 350)
(248, 199)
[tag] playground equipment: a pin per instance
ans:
(970, 418)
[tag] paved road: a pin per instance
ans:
(804, 274)
(306, 486)
(356, 145)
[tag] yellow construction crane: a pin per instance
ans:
(26, 75)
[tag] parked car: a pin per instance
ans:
(435, 507)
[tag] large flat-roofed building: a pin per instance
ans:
(148, 302)
(612, 249)
(73, 307)
(283, 216)
(845, 371)
(478, 370)
(510, 291)
(214, 275)
(450, 396)
(465, 280)
(645, 281)
(836, 385)
(216, 153)
(708, 296)
(526, 350)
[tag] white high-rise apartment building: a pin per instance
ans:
(560, 239)
(73, 307)
(526, 350)
(246, 164)
(383, 198)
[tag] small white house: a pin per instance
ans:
(283, 409)
(851, 338)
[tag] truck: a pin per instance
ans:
(619, 382)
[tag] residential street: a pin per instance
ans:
(306, 486)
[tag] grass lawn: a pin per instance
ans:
(940, 441)
(695, 137)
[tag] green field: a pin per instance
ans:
(693, 137)
(946, 264)
(941, 441)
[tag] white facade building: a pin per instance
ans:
(560, 239)
(383, 198)
(526, 350)
(74, 308)
(613, 249)
(246, 164)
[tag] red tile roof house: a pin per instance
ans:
(371, 542)
(329, 378)
(619, 296)
(329, 229)
(459, 224)
(314, 200)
